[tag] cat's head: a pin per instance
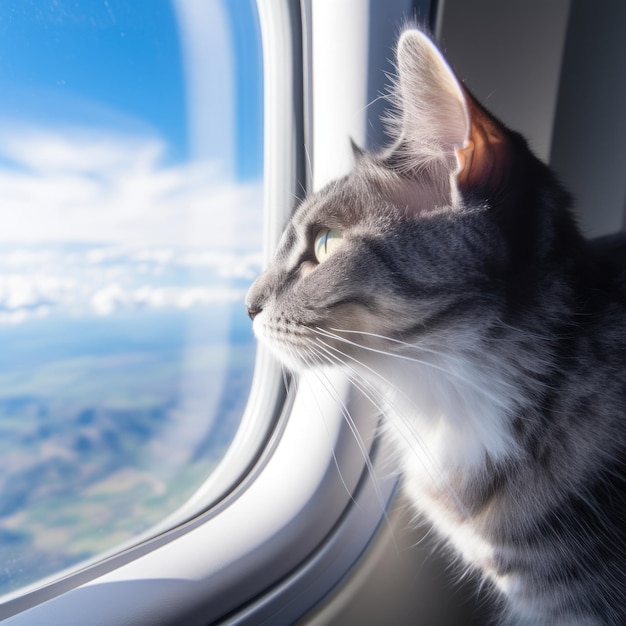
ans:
(410, 242)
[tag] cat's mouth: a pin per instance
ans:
(302, 347)
(293, 345)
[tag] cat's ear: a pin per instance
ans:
(441, 127)
(434, 119)
(485, 159)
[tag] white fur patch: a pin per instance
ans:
(447, 415)
(453, 410)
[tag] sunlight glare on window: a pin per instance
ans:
(130, 194)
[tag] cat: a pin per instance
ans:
(446, 275)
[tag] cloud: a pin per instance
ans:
(84, 185)
(21, 315)
(160, 256)
(114, 298)
(225, 265)
(109, 299)
(32, 292)
(25, 297)
(79, 151)
(104, 280)
(97, 223)
(18, 258)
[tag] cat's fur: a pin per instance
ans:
(464, 299)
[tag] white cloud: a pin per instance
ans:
(97, 256)
(109, 299)
(187, 298)
(79, 151)
(89, 218)
(21, 315)
(32, 292)
(104, 280)
(89, 186)
(24, 296)
(226, 265)
(114, 298)
(22, 257)
(161, 256)
(153, 297)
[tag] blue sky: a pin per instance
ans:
(76, 61)
(119, 63)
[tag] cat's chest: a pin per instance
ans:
(448, 418)
(442, 436)
(441, 508)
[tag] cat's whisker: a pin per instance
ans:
(344, 409)
(285, 376)
(309, 164)
(334, 335)
(381, 96)
(422, 452)
(433, 366)
(364, 383)
(414, 359)
(309, 357)
(351, 423)
(374, 393)
(359, 440)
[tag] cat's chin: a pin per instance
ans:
(289, 354)
(293, 362)
(290, 359)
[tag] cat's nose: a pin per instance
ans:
(253, 312)
(255, 299)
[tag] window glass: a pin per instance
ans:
(130, 196)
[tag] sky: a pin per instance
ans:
(130, 65)
(94, 63)
(130, 153)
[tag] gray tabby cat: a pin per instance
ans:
(446, 276)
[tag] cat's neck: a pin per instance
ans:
(450, 408)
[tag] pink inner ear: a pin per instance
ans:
(485, 160)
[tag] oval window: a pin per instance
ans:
(130, 195)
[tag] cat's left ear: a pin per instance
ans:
(441, 126)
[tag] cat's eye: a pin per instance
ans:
(326, 243)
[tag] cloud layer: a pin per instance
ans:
(104, 280)
(96, 224)
(83, 185)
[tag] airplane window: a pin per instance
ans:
(130, 195)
